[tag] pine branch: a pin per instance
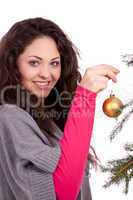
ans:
(127, 59)
(121, 171)
(118, 127)
(93, 158)
(128, 147)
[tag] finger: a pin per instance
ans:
(111, 75)
(108, 72)
(105, 67)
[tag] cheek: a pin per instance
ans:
(58, 73)
(26, 73)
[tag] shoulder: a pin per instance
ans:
(11, 112)
(9, 109)
(16, 122)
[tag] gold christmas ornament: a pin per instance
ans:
(113, 106)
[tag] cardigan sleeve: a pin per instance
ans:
(21, 137)
(26, 161)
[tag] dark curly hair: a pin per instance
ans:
(20, 35)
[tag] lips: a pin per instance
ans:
(42, 85)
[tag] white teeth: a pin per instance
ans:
(42, 84)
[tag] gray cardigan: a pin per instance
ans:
(28, 158)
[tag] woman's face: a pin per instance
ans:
(40, 66)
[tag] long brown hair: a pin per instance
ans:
(20, 35)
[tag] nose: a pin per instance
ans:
(44, 71)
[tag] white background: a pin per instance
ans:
(102, 30)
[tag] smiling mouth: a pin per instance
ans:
(42, 85)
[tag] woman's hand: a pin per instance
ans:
(96, 78)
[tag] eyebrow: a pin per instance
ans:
(41, 58)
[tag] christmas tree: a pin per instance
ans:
(121, 170)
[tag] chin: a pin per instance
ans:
(40, 94)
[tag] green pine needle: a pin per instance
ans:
(121, 170)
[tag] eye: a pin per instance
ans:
(55, 63)
(34, 63)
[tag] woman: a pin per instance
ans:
(46, 113)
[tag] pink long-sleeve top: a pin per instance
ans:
(75, 144)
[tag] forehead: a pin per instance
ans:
(44, 47)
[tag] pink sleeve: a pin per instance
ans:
(75, 145)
